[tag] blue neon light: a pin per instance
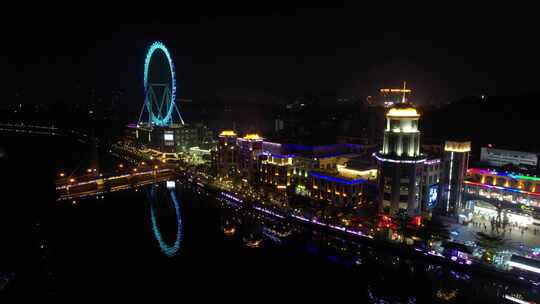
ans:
(168, 250)
(282, 155)
(337, 179)
(313, 148)
(154, 47)
(232, 197)
(330, 155)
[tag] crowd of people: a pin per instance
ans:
(501, 226)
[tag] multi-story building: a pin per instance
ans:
(510, 190)
(205, 137)
(227, 154)
(400, 162)
(277, 171)
(336, 190)
(343, 187)
(455, 164)
(185, 137)
(171, 139)
(250, 147)
(156, 137)
(309, 158)
(287, 166)
(499, 157)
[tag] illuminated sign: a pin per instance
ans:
(433, 194)
(171, 184)
(395, 90)
(169, 137)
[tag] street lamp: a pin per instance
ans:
(71, 180)
(62, 174)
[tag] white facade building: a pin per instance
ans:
(498, 157)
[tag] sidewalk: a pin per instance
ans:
(514, 238)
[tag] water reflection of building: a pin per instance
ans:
(229, 226)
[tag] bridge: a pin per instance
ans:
(74, 188)
(29, 129)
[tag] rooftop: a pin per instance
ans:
(227, 133)
(253, 136)
(402, 112)
(455, 146)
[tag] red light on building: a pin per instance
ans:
(417, 220)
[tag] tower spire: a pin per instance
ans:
(404, 90)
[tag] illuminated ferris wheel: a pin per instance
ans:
(155, 198)
(159, 88)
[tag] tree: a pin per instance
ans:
(433, 230)
(491, 244)
(403, 223)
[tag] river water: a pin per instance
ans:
(210, 247)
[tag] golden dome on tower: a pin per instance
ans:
(403, 110)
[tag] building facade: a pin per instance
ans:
(335, 189)
(170, 139)
(250, 147)
(455, 165)
(499, 157)
(227, 154)
(400, 162)
(277, 171)
(509, 189)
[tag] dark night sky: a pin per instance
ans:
(275, 54)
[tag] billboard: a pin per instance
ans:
(433, 196)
